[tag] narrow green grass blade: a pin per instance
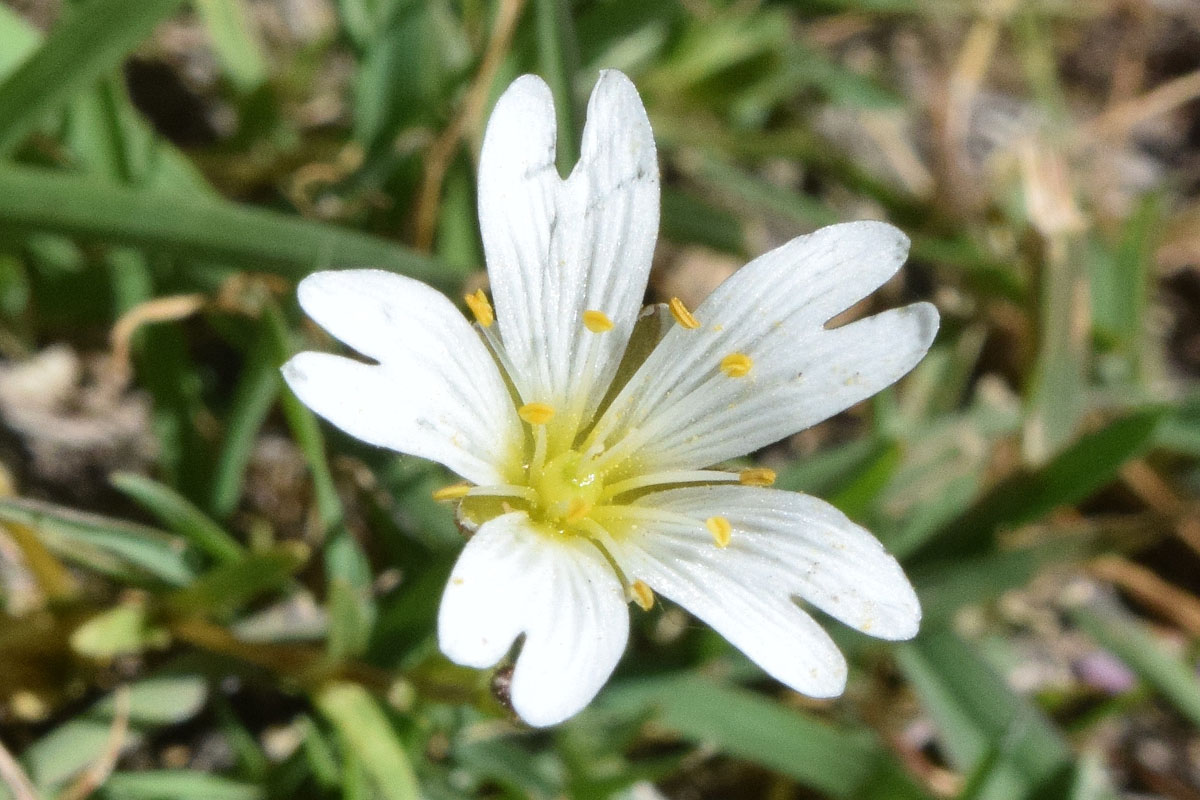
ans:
(223, 591)
(829, 471)
(1059, 391)
(364, 729)
(1069, 478)
(153, 703)
(976, 712)
(109, 545)
(1129, 640)
(91, 40)
(189, 224)
(178, 785)
(352, 609)
(257, 390)
(234, 42)
(688, 219)
(177, 513)
(837, 762)
(17, 40)
(558, 57)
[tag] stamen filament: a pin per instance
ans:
(504, 490)
(452, 492)
(539, 450)
(666, 477)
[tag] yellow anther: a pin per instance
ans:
(452, 492)
(536, 413)
(577, 509)
(681, 314)
(720, 529)
(642, 594)
(757, 476)
(597, 321)
(481, 308)
(736, 365)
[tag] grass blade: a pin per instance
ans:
(837, 762)
(365, 730)
(45, 200)
(257, 390)
(177, 513)
(234, 42)
(101, 543)
(1132, 643)
(977, 713)
(91, 40)
(1069, 478)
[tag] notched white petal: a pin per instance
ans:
(781, 545)
(436, 392)
(560, 593)
(683, 410)
(559, 249)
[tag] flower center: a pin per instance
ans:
(567, 490)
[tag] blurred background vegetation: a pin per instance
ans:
(207, 594)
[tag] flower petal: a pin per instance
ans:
(436, 392)
(782, 544)
(559, 592)
(682, 410)
(556, 249)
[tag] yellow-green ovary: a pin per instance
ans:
(567, 490)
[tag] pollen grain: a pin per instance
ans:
(736, 365)
(452, 492)
(642, 594)
(597, 321)
(481, 308)
(720, 529)
(536, 413)
(757, 476)
(681, 314)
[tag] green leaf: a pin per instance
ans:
(167, 784)
(1071, 477)
(976, 713)
(558, 56)
(152, 703)
(365, 730)
(121, 630)
(838, 762)
(234, 42)
(257, 390)
(690, 219)
(1171, 676)
(90, 40)
(177, 513)
(194, 225)
(225, 589)
(947, 585)
(102, 543)
(1058, 385)
(830, 470)
(17, 40)
(352, 609)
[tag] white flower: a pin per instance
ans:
(587, 495)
